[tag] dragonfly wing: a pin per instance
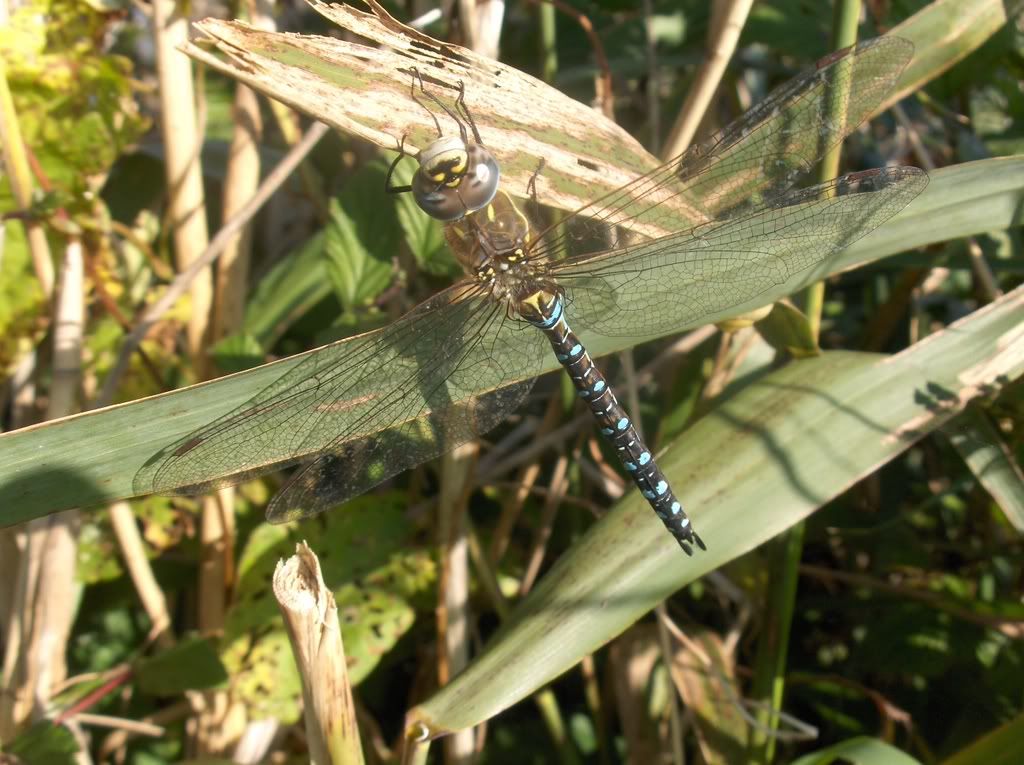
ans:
(772, 146)
(757, 157)
(353, 466)
(410, 391)
(468, 404)
(722, 268)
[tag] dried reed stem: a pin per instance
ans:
(311, 618)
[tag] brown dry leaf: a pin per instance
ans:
(634, 656)
(704, 674)
(364, 89)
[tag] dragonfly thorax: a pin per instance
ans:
(493, 245)
(454, 179)
(510, 276)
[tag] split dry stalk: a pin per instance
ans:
(724, 34)
(453, 618)
(16, 164)
(241, 180)
(241, 183)
(133, 552)
(559, 487)
(311, 619)
(182, 143)
(513, 505)
(186, 210)
(45, 586)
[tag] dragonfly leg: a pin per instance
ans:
(402, 154)
(460, 105)
(531, 189)
(460, 114)
(418, 78)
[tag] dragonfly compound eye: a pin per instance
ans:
(454, 179)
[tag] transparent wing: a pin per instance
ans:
(709, 272)
(365, 408)
(756, 158)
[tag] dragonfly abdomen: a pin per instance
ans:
(545, 310)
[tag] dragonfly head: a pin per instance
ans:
(454, 179)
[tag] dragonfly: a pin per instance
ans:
(694, 240)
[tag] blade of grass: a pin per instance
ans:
(93, 457)
(753, 467)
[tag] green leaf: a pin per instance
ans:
(191, 665)
(96, 556)
(21, 299)
(1002, 746)
(945, 32)
(786, 329)
(94, 457)
(987, 455)
(360, 240)
(760, 462)
(75, 102)
(45, 744)
(238, 352)
(264, 677)
(374, 581)
(289, 289)
(791, 26)
(859, 751)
